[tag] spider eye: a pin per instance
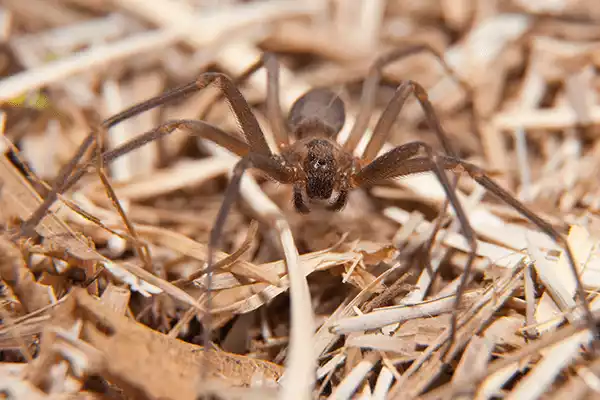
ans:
(321, 164)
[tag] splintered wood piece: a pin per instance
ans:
(146, 363)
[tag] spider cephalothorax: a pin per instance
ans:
(323, 173)
(314, 120)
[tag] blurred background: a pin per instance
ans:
(527, 112)
(531, 67)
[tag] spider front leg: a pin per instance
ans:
(477, 174)
(382, 130)
(273, 167)
(239, 106)
(395, 163)
(196, 128)
(384, 165)
(274, 114)
(367, 101)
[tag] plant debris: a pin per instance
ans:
(106, 297)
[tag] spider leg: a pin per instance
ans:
(274, 114)
(193, 127)
(239, 106)
(275, 170)
(395, 166)
(66, 171)
(299, 203)
(371, 84)
(198, 128)
(253, 155)
(28, 227)
(237, 81)
(386, 165)
(388, 117)
(390, 165)
(383, 165)
(382, 130)
(480, 177)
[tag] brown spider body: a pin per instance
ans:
(322, 168)
(315, 164)
(322, 173)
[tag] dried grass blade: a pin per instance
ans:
(21, 199)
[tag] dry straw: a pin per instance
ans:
(106, 297)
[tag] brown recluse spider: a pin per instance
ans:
(319, 169)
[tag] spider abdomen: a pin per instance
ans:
(320, 106)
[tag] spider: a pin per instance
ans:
(321, 171)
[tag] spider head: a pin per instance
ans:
(320, 167)
(315, 119)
